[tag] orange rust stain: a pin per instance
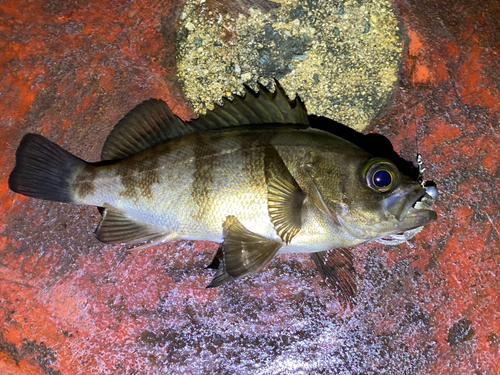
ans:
(462, 215)
(452, 50)
(106, 80)
(7, 197)
(443, 131)
(449, 98)
(9, 366)
(490, 162)
(420, 110)
(45, 126)
(19, 95)
(473, 85)
(86, 102)
(66, 124)
(440, 70)
(415, 45)
(421, 74)
(10, 7)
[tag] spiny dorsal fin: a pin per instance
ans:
(243, 252)
(337, 270)
(152, 122)
(263, 107)
(284, 196)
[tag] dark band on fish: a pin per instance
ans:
(84, 184)
(138, 176)
(251, 152)
(203, 175)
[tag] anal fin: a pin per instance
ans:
(118, 227)
(337, 270)
(243, 252)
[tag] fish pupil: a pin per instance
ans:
(382, 178)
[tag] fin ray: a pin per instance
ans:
(148, 124)
(243, 252)
(284, 195)
(262, 107)
(152, 122)
(337, 270)
(44, 170)
(118, 227)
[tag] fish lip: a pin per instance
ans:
(427, 215)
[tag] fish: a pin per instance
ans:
(256, 174)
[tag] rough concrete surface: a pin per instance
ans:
(69, 70)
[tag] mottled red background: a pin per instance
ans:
(70, 69)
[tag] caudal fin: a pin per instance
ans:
(43, 170)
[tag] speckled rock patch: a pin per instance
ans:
(341, 58)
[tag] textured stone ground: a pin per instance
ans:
(68, 304)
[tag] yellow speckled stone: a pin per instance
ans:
(342, 58)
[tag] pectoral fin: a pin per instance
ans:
(217, 259)
(337, 270)
(243, 252)
(118, 227)
(284, 196)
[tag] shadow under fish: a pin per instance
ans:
(256, 174)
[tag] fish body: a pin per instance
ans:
(252, 175)
(191, 184)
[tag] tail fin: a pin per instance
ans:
(43, 170)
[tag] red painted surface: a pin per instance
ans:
(450, 97)
(69, 304)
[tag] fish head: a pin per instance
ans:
(372, 200)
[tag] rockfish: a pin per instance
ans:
(253, 174)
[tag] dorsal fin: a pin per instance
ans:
(145, 126)
(152, 122)
(263, 107)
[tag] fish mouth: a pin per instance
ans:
(412, 200)
(422, 202)
(417, 212)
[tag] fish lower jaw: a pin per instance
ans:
(421, 214)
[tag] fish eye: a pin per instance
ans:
(382, 178)
(381, 175)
